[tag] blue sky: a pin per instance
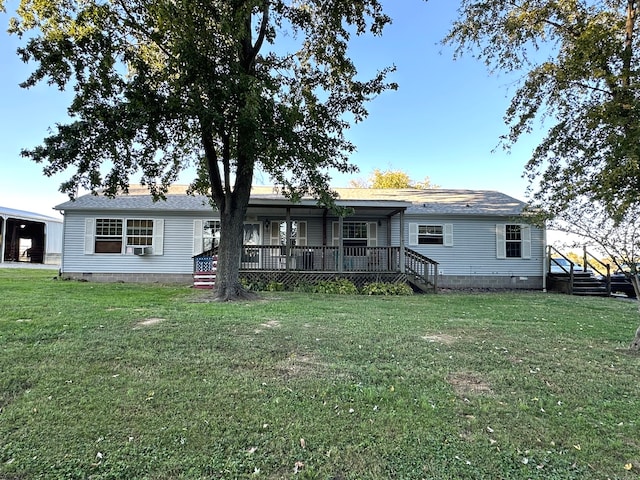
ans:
(444, 122)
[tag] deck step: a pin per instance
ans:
(416, 282)
(584, 284)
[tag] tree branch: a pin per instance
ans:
(263, 30)
(212, 164)
(136, 26)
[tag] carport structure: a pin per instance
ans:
(29, 237)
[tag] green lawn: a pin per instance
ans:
(131, 381)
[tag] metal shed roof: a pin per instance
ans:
(23, 214)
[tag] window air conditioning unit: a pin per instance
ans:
(142, 251)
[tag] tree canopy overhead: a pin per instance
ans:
(581, 64)
(391, 179)
(226, 86)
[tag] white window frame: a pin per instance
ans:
(154, 237)
(414, 234)
(371, 228)
(501, 241)
(200, 235)
(298, 234)
(139, 232)
(115, 233)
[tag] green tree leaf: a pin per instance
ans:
(227, 86)
(580, 60)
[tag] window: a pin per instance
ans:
(118, 236)
(210, 235)
(513, 241)
(356, 234)
(279, 232)
(108, 235)
(513, 238)
(206, 235)
(139, 233)
(431, 234)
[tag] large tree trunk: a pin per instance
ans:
(228, 286)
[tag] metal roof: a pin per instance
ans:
(24, 215)
(431, 202)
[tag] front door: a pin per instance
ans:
(252, 236)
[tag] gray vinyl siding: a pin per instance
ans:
(177, 250)
(474, 247)
(177, 238)
(473, 251)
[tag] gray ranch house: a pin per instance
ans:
(430, 238)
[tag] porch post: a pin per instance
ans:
(340, 245)
(402, 270)
(287, 248)
(3, 235)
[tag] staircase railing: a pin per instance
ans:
(423, 269)
(595, 264)
(591, 266)
(551, 262)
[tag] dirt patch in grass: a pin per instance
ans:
(300, 365)
(204, 295)
(267, 325)
(148, 322)
(440, 338)
(466, 383)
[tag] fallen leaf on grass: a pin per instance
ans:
(298, 466)
(628, 466)
(303, 444)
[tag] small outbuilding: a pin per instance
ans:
(29, 237)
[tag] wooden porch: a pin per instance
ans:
(293, 264)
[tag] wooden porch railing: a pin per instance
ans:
(419, 270)
(423, 270)
(320, 258)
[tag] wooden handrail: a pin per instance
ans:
(422, 267)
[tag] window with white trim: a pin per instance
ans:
(108, 235)
(210, 234)
(139, 233)
(431, 234)
(356, 234)
(513, 241)
(206, 235)
(278, 230)
(119, 236)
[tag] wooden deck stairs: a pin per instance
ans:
(421, 271)
(592, 279)
(579, 284)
